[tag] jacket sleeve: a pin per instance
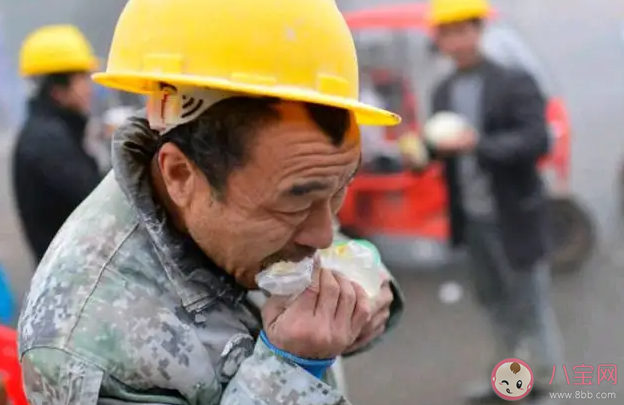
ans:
(65, 167)
(396, 308)
(55, 377)
(266, 379)
(528, 139)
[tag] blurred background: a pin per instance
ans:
(576, 50)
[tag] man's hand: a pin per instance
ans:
(465, 142)
(322, 322)
(413, 151)
(377, 324)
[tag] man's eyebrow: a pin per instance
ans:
(306, 188)
(311, 186)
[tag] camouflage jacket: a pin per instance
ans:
(124, 309)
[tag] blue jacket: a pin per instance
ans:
(7, 302)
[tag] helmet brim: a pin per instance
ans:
(146, 83)
(88, 66)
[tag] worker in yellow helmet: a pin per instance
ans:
(52, 172)
(150, 292)
(489, 129)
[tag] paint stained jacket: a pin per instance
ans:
(123, 309)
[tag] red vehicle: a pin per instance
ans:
(10, 373)
(405, 214)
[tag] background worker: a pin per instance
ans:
(52, 172)
(497, 199)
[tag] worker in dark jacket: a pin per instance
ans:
(497, 199)
(52, 173)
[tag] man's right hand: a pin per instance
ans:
(322, 322)
(465, 142)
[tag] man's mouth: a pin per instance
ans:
(508, 391)
(296, 258)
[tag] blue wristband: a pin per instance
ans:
(315, 367)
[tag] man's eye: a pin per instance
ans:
(505, 382)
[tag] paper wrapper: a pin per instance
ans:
(356, 260)
(286, 278)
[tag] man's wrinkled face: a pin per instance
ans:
(280, 205)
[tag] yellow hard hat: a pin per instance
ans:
(450, 11)
(294, 50)
(56, 49)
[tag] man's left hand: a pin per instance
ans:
(376, 326)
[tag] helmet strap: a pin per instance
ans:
(170, 107)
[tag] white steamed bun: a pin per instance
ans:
(444, 127)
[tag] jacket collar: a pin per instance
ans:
(198, 281)
(46, 107)
(489, 70)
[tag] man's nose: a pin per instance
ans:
(317, 230)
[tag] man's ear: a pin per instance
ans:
(59, 94)
(178, 174)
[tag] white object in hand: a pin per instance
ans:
(354, 259)
(356, 262)
(286, 278)
(450, 292)
(445, 127)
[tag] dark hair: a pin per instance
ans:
(53, 80)
(477, 22)
(219, 140)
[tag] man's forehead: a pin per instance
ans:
(297, 158)
(296, 145)
(306, 187)
(292, 110)
(296, 136)
(296, 112)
